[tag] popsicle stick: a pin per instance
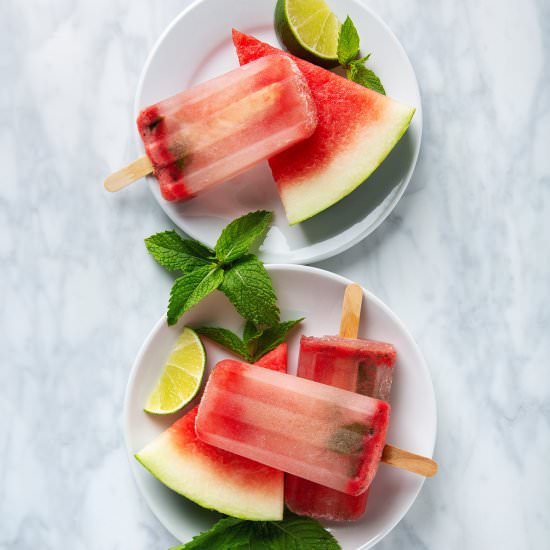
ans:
(351, 311)
(349, 328)
(127, 175)
(398, 458)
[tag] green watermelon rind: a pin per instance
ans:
(242, 506)
(351, 186)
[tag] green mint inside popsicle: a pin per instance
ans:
(348, 439)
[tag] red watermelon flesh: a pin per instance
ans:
(276, 359)
(356, 130)
(212, 477)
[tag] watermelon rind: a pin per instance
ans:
(196, 480)
(348, 172)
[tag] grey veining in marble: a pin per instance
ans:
(464, 260)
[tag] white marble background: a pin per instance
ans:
(464, 260)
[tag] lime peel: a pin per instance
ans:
(181, 376)
(308, 29)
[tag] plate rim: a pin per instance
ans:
(280, 267)
(301, 257)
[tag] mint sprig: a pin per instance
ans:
(255, 342)
(364, 76)
(347, 51)
(229, 267)
(227, 339)
(348, 42)
(296, 532)
(251, 332)
(272, 337)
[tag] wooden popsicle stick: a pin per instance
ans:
(136, 170)
(351, 311)
(398, 458)
(349, 328)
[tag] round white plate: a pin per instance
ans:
(197, 46)
(413, 418)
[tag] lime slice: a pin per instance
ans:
(308, 29)
(181, 377)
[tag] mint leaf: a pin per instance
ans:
(241, 234)
(228, 533)
(251, 332)
(348, 42)
(249, 288)
(300, 533)
(272, 337)
(191, 288)
(361, 60)
(367, 78)
(348, 50)
(255, 342)
(292, 533)
(227, 339)
(348, 439)
(173, 252)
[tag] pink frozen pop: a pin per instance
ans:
(354, 364)
(216, 130)
(327, 435)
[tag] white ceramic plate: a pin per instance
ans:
(317, 295)
(197, 46)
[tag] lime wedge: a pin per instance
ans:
(308, 29)
(181, 377)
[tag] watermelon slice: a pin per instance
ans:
(276, 359)
(214, 478)
(356, 130)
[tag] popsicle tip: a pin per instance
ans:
(431, 468)
(405, 460)
(110, 184)
(351, 311)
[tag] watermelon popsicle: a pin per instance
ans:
(216, 130)
(325, 434)
(362, 366)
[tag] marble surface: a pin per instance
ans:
(463, 260)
